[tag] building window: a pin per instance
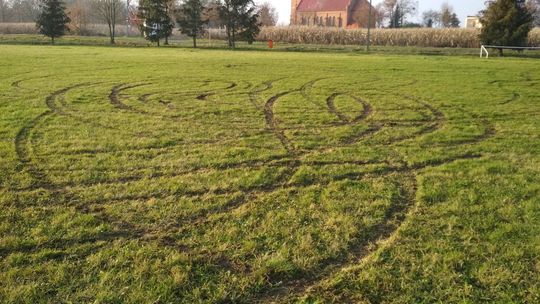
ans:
(340, 22)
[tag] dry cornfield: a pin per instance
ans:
(420, 37)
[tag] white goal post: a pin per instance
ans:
(483, 49)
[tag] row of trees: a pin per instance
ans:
(506, 22)
(28, 10)
(241, 19)
(157, 19)
(391, 13)
(445, 17)
(398, 13)
(19, 10)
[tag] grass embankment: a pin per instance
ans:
(198, 176)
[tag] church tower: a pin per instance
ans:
(294, 5)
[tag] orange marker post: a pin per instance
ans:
(270, 44)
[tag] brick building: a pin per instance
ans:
(333, 13)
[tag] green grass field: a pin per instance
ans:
(145, 175)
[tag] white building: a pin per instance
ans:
(474, 22)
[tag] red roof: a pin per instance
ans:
(323, 5)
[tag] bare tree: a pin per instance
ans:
(211, 13)
(268, 15)
(32, 9)
(380, 15)
(4, 9)
(110, 11)
(431, 18)
(397, 11)
(79, 12)
(388, 8)
(446, 15)
(17, 10)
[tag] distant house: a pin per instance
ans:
(474, 22)
(331, 13)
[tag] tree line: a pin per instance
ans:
(156, 19)
(505, 22)
(400, 13)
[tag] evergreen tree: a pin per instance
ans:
(506, 22)
(157, 23)
(240, 18)
(395, 21)
(52, 19)
(454, 20)
(170, 10)
(251, 27)
(190, 19)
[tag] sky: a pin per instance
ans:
(462, 7)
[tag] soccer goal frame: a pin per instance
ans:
(484, 49)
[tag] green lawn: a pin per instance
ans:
(145, 175)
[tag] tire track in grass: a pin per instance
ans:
(255, 93)
(436, 123)
(59, 106)
(382, 233)
(489, 131)
(345, 120)
(372, 129)
(305, 90)
(127, 231)
(514, 94)
(114, 97)
(235, 204)
(23, 144)
(23, 147)
(257, 191)
(394, 217)
(282, 180)
(205, 96)
(330, 102)
(375, 126)
(17, 83)
(272, 123)
(366, 112)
